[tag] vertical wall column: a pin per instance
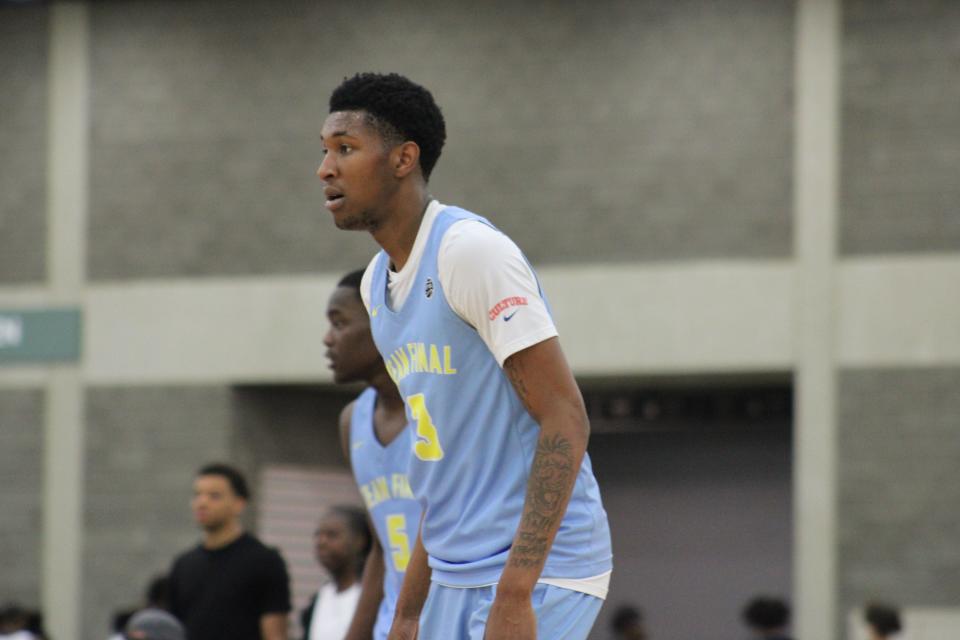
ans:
(815, 229)
(67, 198)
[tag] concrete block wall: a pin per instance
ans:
(21, 476)
(23, 138)
(898, 489)
(636, 137)
(901, 127)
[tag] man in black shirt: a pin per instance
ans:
(231, 586)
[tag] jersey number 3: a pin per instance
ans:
(427, 446)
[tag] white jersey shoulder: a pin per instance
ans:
(486, 280)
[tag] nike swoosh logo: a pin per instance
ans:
(375, 310)
(507, 318)
(357, 445)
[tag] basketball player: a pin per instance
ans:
(514, 543)
(377, 443)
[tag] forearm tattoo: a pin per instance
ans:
(551, 476)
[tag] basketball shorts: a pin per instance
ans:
(452, 613)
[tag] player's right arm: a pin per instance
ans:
(416, 586)
(371, 583)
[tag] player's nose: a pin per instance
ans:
(327, 168)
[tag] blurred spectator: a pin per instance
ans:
(119, 623)
(231, 586)
(156, 595)
(883, 621)
(341, 543)
(627, 624)
(154, 624)
(767, 618)
(15, 623)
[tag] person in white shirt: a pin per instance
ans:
(341, 543)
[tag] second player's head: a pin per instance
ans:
(383, 135)
(352, 354)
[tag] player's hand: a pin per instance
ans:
(511, 618)
(403, 629)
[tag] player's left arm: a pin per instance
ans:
(543, 381)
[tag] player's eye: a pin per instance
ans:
(345, 149)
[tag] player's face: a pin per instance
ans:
(356, 171)
(214, 503)
(351, 352)
(335, 546)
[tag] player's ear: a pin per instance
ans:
(405, 158)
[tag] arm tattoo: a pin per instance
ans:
(551, 475)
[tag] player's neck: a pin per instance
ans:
(221, 537)
(387, 394)
(399, 231)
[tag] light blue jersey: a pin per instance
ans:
(381, 475)
(474, 441)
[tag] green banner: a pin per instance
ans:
(39, 335)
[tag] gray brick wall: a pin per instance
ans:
(627, 129)
(898, 486)
(143, 447)
(901, 126)
(287, 425)
(23, 139)
(294, 425)
(21, 476)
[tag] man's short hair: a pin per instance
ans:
(885, 619)
(766, 613)
(399, 109)
(237, 482)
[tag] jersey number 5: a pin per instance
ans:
(399, 541)
(427, 446)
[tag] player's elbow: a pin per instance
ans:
(569, 415)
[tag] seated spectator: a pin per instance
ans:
(767, 618)
(119, 623)
(154, 624)
(883, 621)
(627, 624)
(15, 623)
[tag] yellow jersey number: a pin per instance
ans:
(399, 541)
(427, 446)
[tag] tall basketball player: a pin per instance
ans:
(514, 542)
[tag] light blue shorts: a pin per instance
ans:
(461, 614)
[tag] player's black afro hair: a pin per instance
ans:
(399, 109)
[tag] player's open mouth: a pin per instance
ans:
(334, 198)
